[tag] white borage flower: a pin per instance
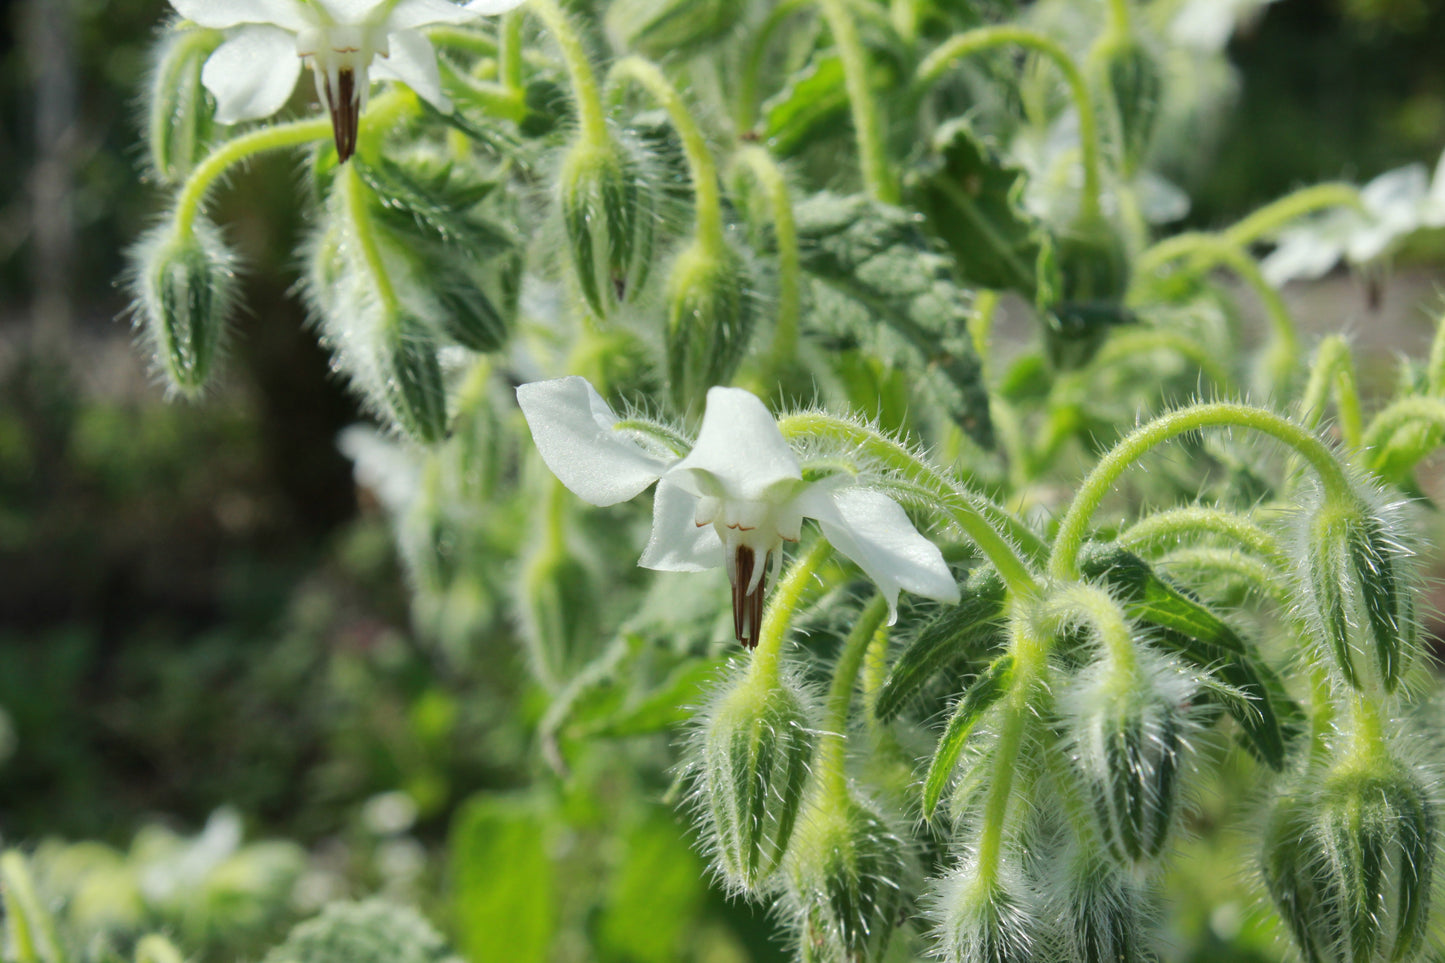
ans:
(733, 500)
(254, 71)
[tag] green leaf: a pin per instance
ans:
(985, 690)
(433, 208)
(1265, 713)
(967, 630)
(504, 890)
(813, 105)
(971, 199)
(654, 897)
(875, 255)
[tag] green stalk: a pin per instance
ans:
(590, 114)
(1399, 414)
(760, 164)
(1063, 562)
(1161, 528)
(964, 508)
(986, 38)
(700, 164)
(747, 97)
(867, 125)
(1334, 366)
(828, 765)
(365, 234)
(232, 152)
(783, 604)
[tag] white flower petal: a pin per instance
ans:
(413, 61)
(874, 531)
(349, 11)
(487, 8)
(740, 454)
(678, 543)
(572, 427)
(253, 73)
(219, 14)
(409, 14)
(1394, 200)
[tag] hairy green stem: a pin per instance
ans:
(1130, 343)
(1270, 581)
(985, 38)
(1415, 409)
(701, 167)
(829, 766)
(787, 597)
(1064, 560)
(868, 126)
(1334, 367)
(760, 164)
(590, 115)
(510, 33)
(1162, 528)
(359, 213)
(232, 152)
(1094, 606)
(746, 97)
(962, 507)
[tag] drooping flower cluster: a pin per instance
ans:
(254, 71)
(733, 500)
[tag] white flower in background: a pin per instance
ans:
(733, 500)
(254, 71)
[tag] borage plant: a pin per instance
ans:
(757, 262)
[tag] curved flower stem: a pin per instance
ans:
(1175, 524)
(1254, 227)
(1093, 606)
(747, 93)
(701, 167)
(760, 164)
(512, 50)
(1435, 367)
(962, 507)
(784, 602)
(1261, 577)
(986, 38)
(1119, 16)
(364, 230)
(232, 152)
(1064, 560)
(867, 125)
(1414, 409)
(828, 762)
(584, 82)
(1129, 343)
(1334, 366)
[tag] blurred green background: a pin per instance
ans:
(196, 609)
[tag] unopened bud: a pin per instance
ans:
(1133, 77)
(663, 28)
(609, 213)
(1128, 728)
(186, 283)
(1102, 912)
(709, 321)
(756, 742)
(847, 868)
(1357, 576)
(181, 110)
(1349, 865)
(1083, 281)
(411, 379)
(991, 917)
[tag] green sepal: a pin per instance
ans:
(412, 381)
(1188, 629)
(181, 112)
(434, 205)
(968, 630)
(985, 690)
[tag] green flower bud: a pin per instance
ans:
(993, 918)
(559, 612)
(709, 321)
(1131, 73)
(1349, 865)
(663, 28)
(186, 286)
(1128, 729)
(846, 870)
(412, 385)
(371, 932)
(755, 743)
(1357, 578)
(1084, 276)
(1102, 912)
(181, 111)
(609, 211)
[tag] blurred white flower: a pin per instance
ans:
(733, 500)
(254, 71)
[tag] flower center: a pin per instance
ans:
(340, 56)
(751, 534)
